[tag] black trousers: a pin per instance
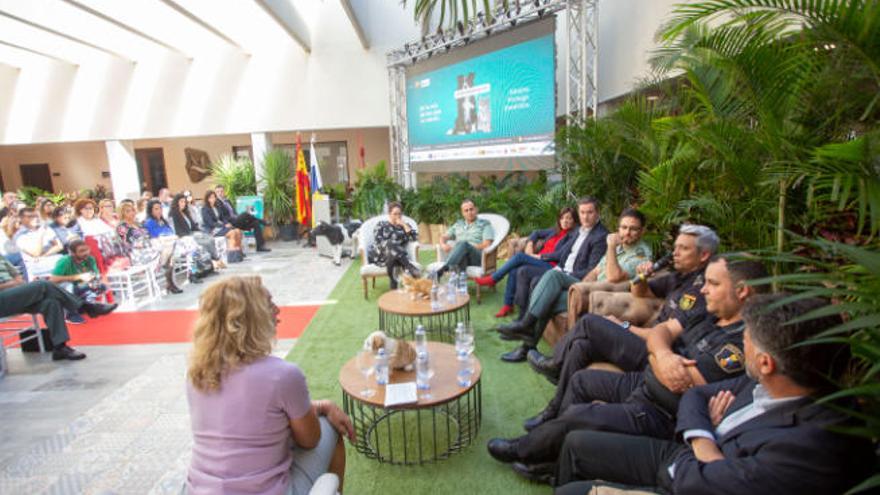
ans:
(629, 460)
(616, 412)
(595, 339)
(246, 221)
(44, 298)
(394, 259)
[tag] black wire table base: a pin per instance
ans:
(440, 327)
(410, 437)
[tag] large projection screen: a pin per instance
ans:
(488, 106)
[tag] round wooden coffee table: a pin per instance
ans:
(400, 314)
(427, 431)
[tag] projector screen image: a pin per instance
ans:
(496, 105)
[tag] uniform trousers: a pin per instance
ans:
(44, 298)
(618, 411)
(595, 339)
(629, 460)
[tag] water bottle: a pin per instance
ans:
(382, 367)
(465, 369)
(459, 337)
(421, 340)
(435, 297)
(423, 371)
(462, 284)
(451, 288)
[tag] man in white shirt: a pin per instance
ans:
(39, 245)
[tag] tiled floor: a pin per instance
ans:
(117, 422)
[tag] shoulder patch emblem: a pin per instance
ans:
(730, 359)
(687, 301)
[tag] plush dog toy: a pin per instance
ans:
(401, 354)
(421, 287)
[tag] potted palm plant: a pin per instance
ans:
(276, 185)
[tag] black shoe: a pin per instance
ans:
(517, 355)
(503, 450)
(196, 280)
(68, 353)
(263, 250)
(539, 473)
(95, 310)
(513, 331)
(535, 421)
(543, 366)
(173, 289)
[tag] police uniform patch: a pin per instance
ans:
(730, 359)
(687, 301)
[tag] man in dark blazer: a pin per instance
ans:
(575, 260)
(244, 221)
(760, 433)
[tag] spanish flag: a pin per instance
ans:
(303, 195)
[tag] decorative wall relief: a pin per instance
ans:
(198, 164)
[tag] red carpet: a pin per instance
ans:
(164, 327)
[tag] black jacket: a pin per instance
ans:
(181, 227)
(587, 257)
(788, 449)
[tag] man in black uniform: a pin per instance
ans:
(759, 434)
(645, 402)
(599, 339)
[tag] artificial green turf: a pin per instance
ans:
(511, 393)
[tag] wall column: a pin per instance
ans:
(123, 169)
(261, 143)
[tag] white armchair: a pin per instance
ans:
(365, 236)
(489, 259)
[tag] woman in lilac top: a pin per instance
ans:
(255, 430)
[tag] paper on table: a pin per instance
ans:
(400, 393)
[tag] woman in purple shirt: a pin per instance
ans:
(255, 430)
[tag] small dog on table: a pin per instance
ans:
(401, 354)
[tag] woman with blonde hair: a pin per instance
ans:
(255, 429)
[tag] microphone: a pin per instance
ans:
(656, 267)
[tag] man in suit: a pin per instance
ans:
(644, 403)
(760, 433)
(574, 262)
(243, 222)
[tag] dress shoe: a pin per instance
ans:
(515, 331)
(485, 281)
(503, 450)
(543, 366)
(517, 355)
(68, 353)
(535, 421)
(74, 318)
(539, 473)
(504, 311)
(95, 310)
(172, 289)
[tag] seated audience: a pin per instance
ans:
(213, 223)
(243, 222)
(156, 224)
(165, 200)
(78, 274)
(389, 245)
(9, 200)
(9, 225)
(598, 339)
(65, 231)
(465, 241)
(163, 239)
(39, 246)
(107, 213)
(581, 254)
(45, 207)
(185, 227)
(48, 300)
(255, 428)
(89, 223)
(760, 433)
(643, 403)
(142, 209)
(551, 240)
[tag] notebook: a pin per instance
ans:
(401, 393)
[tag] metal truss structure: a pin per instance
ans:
(581, 68)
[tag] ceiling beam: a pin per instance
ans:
(355, 23)
(63, 35)
(283, 13)
(119, 24)
(37, 52)
(201, 22)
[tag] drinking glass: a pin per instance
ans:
(366, 362)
